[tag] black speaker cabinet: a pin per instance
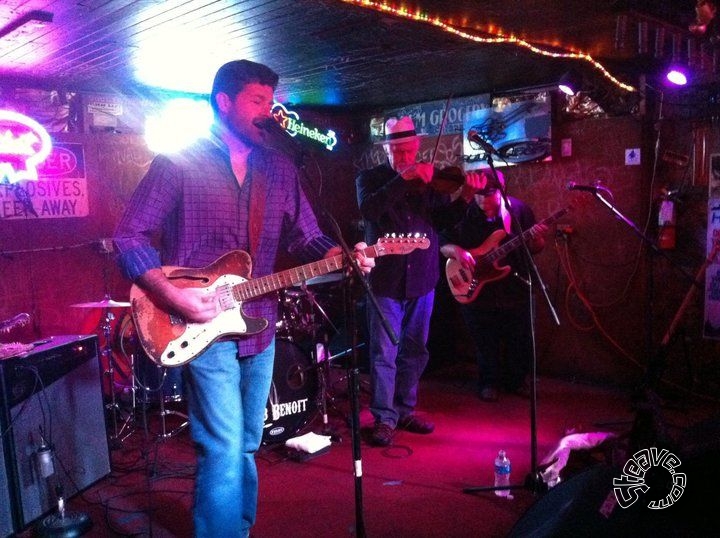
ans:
(51, 398)
(6, 526)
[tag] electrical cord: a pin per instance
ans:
(573, 289)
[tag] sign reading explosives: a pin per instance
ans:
(290, 121)
(59, 190)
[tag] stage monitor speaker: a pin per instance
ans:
(53, 422)
(585, 506)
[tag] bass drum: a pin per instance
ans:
(293, 393)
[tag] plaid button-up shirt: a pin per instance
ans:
(189, 210)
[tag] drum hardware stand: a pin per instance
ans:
(330, 394)
(321, 354)
(119, 432)
(164, 433)
(322, 362)
(364, 384)
(533, 482)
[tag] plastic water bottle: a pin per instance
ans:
(502, 474)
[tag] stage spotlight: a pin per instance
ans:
(570, 83)
(677, 75)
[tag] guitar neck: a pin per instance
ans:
(504, 249)
(290, 277)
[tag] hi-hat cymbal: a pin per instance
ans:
(105, 303)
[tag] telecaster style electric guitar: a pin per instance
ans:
(465, 285)
(170, 340)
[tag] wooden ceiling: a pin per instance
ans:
(332, 53)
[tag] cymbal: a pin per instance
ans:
(325, 279)
(105, 303)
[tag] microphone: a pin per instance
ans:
(284, 140)
(474, 136)
(572, 186)
(270, 125)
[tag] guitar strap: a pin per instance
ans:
(258, 196)
(505, 216)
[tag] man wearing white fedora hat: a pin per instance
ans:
(397, 198)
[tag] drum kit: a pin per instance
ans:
(299, 388)
(129, 371)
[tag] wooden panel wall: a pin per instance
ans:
(48, 264)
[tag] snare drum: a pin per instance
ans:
(293, 393)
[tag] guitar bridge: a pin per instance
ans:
(471, 288)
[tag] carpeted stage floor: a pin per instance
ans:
(415, 488)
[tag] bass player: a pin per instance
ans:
(498, 318)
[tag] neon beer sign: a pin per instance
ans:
(24, 144)
(290, 121)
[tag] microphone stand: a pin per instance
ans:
(656, 363)
(533, 482)
(354, 374)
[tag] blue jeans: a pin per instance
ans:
(395, 370)
(226, 404)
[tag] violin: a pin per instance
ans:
(445, 180)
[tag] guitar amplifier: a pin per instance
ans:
(50, 399)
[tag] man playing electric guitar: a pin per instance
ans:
(498, 316)
(227, 193)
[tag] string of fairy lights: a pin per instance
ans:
(492, 36)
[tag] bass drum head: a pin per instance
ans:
(293, 393)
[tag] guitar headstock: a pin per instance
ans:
(401, 243)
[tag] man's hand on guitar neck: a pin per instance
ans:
(364, 263)
(536, 239)
(461, 255)
(194, 304)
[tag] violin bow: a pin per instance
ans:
(442, 128)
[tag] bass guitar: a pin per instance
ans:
(170, 340)
(465, 285)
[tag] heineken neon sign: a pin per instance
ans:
(290, 121)
(24, 144)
